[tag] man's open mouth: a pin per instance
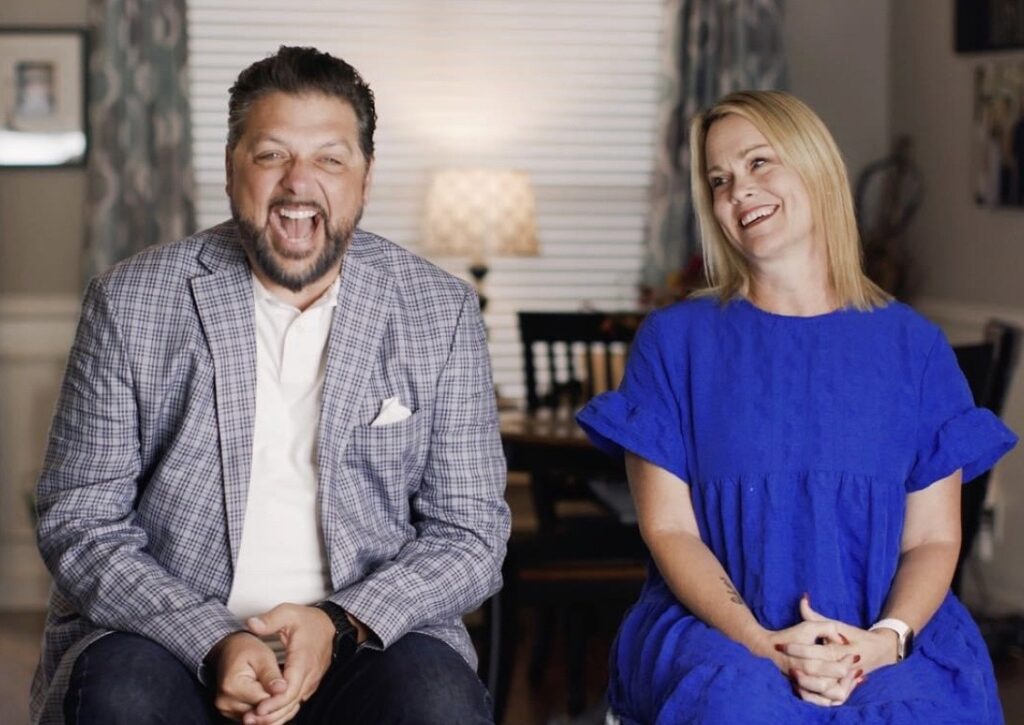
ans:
(296, 222)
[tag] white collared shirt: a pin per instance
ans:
(282, 556)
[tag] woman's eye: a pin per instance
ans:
(717, 181)
(758, 162)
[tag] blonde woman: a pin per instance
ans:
(795, 443)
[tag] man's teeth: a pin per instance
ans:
(297, 213)
(756, 214)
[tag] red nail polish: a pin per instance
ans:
(856, 659)
(792, 673)
(780, 648)
(860, 674)
(843, 639)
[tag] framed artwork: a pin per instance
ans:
(42, 97)
(983, 25)
(997, 143)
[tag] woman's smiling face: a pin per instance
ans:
(761, 205)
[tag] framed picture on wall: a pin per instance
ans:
(42, 97)
(983, 25)
(997, 144)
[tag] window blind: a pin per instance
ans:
(565, 90)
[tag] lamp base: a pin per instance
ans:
(478, 271)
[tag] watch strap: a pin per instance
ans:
(342, 626)
(904, 634)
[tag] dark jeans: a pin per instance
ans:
(130, 680)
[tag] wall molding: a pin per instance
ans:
(37, 327)
(26, 582)
(36, 332)
(962, 318)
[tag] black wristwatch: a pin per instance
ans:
(342, 627)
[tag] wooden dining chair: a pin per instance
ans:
(988, 366)
(568, 358)
(587, 552)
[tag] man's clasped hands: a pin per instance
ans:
(251, 687)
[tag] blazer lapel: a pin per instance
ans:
(364, 305)
(225, 303)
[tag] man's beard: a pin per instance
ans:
(261, 252)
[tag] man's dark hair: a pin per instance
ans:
(297, 71)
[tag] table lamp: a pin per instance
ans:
(480, 213)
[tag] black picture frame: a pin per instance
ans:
(43, 96)
(988, 25)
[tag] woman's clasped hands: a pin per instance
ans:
(827, 659)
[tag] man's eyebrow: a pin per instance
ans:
(267, 137)
(742, 153)
(336, 142)
(326, 144)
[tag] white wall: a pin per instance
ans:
(839, 64)
(963, 252)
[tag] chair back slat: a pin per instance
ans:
(1007, 341)
(988, 365)
(977, 362)
(588, 353)
(609, 354)
(552, 362)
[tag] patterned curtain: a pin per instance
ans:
(140, 161)
(711, 47)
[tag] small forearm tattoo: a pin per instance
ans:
(733, 594)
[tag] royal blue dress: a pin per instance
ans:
(800, 438)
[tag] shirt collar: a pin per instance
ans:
(328, 299)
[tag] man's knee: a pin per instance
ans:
(437, 686)
(125, 678)
(452, 698)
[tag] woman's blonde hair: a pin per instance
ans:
(803, 144)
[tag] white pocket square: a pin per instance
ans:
(391, 411)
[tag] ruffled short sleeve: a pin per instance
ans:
(952, 432)
(644, 415)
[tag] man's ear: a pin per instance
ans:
(367, 182)
(228, 170)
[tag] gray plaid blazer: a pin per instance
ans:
(142, 496)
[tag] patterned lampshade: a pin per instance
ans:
(480, 213)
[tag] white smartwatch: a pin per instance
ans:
(904, 635)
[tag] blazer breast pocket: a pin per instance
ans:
(392, 455)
